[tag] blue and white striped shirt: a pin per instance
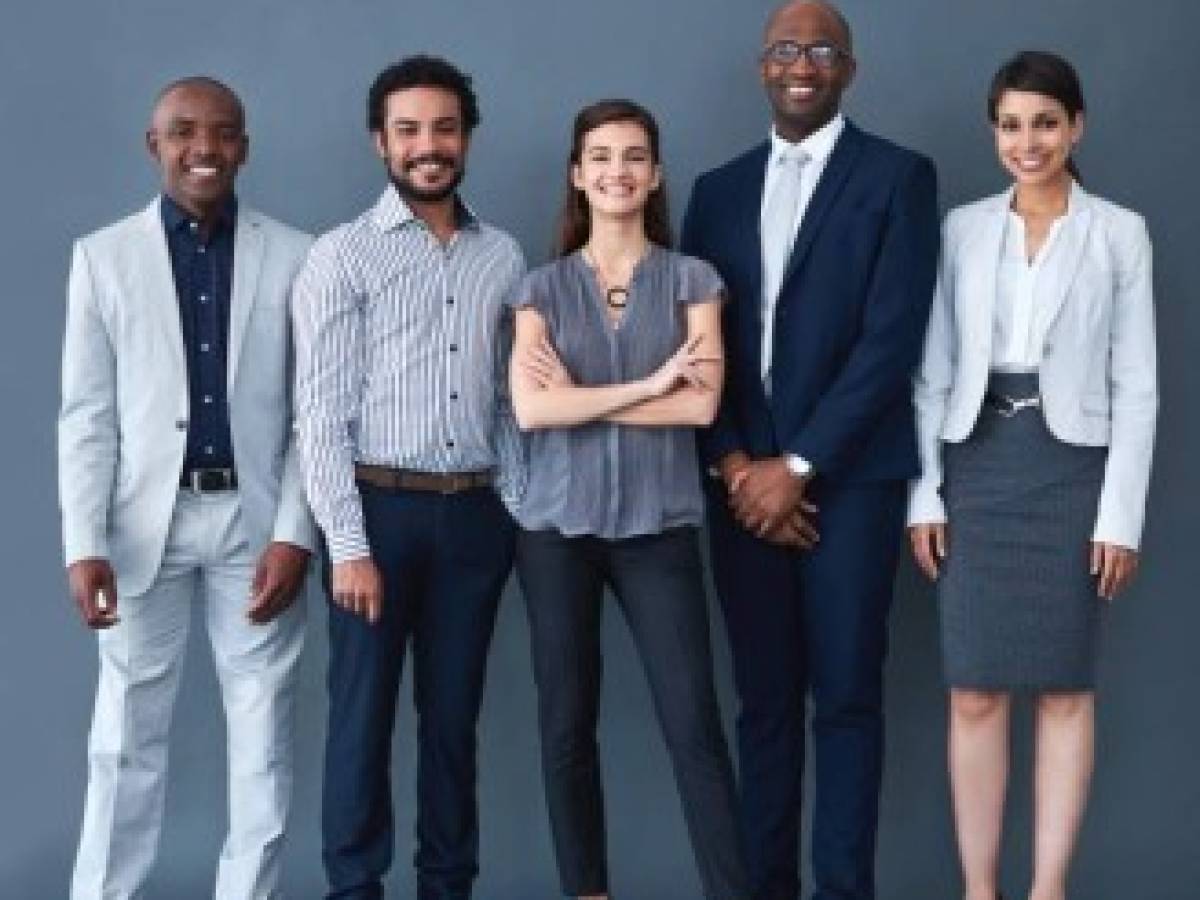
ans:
(402, 345)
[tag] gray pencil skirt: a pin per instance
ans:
(1018, 605)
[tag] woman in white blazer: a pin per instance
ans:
(1036, 404)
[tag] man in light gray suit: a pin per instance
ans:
(179, 484)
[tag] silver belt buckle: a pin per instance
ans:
(1012, 405)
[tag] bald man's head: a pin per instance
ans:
(197, 136)
(839, 21)
(201, 83)
(806, 66)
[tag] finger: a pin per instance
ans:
(738, 479)
(1097, 557)
(695, 342)
(374, 607)
(1105, 587)
(939, 541)
(807, 530)
(808, 507)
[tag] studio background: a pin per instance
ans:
(76, 84)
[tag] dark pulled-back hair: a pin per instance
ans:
(575, 220)
(421, 71)
(1039, 72)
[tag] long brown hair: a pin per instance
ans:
(575, 220)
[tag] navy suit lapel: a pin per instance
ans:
(747, 226)
(837, 170)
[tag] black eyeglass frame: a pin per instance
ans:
(788, 52)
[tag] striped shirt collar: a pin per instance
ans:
(391, 212)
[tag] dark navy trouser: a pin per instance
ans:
(811, 625)
(444, 559)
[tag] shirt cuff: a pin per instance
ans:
(346, 546)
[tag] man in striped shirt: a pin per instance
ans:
(403, 422)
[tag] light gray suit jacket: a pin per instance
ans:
(1098, 378)
(122, 428)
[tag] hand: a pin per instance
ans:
(541, 363)
(766, 494)
(682, 368)
(928, 547)
(1113, 566)
(277, 579)
(93, 587)
(796, 532)
(358, 588)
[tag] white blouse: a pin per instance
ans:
(1020, 324)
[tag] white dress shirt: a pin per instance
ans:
(1020, 321)
(817, 148)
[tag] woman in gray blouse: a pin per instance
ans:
(617, 359)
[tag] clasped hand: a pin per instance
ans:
(768, 500)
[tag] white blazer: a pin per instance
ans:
(1097, 377)
(122, 427)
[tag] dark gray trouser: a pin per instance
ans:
(658, 584)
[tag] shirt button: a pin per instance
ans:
(454, 395)
(449, 301)
(194, 225)
(204, 348)
(209, 450)
(208, 398)
(449, 443)
(201, 248)
(204, 298)
(454, 348)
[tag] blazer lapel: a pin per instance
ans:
(247, 261)
(162, 297)
(1072, 241)
(980, 275)
(837, 170)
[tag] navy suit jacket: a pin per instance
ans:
(851, 316)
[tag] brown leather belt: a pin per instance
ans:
(408, 480)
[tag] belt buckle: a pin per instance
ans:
(1010, 406)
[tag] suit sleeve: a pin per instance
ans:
(878, 370)
(721, 437)
(1133, 392)
(87, 419)
(293, 521)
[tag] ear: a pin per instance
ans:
(1077, 128)
(245, 152)
(656, 181)
(577, 181)
(380, 144)
(152, 144)
(851, 67)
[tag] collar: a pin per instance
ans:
(817, 146)
(391, 212)
(176, 218)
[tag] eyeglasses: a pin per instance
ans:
(821, 54)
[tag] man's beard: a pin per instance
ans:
(412, 193)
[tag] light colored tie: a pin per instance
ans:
(778, 230)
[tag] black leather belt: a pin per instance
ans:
(409, 480)
(204, 481)
(1010, 406)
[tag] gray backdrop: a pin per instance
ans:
(76, 83)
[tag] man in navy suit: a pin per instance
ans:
(827, 239)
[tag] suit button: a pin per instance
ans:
(181, 424)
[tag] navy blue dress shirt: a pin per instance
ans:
(203, 270)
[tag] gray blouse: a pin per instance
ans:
(605, 479)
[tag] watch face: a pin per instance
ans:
(798, 466)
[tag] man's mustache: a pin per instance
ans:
(438, 158)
